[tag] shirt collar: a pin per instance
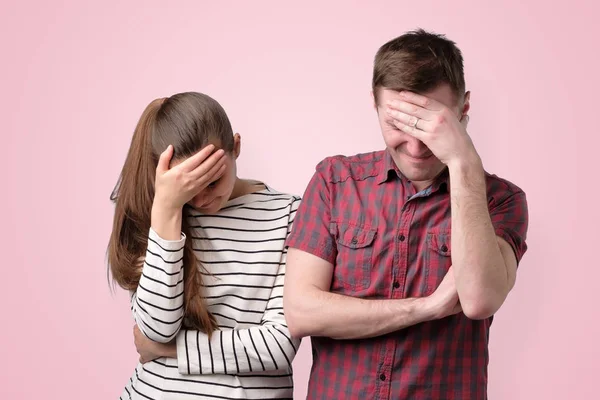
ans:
(389, 167)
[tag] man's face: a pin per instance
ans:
(416, 162)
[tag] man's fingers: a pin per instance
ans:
(411, 109)
(457, 308)
(409, 120)
(411, 130)
(421, 101)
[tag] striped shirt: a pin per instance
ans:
(242, 248)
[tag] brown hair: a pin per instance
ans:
(419, 61)
(188, 121)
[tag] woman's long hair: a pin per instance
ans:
(188, 121)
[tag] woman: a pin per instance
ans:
(203, 254)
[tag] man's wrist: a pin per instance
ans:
(417, 310)
(471, 164)
(467, 178)
(428, 307)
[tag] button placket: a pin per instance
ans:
(402, 246)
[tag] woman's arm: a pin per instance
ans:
(157, 304)
(267, 347)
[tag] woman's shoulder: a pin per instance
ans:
(265, 198)
(273, 199)
(284, 195)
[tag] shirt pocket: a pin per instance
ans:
(438, 259)
(354, 262)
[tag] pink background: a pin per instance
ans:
(295, 81)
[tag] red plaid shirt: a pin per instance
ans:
(388, 242)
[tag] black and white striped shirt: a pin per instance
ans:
(250, 356)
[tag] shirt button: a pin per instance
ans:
(354, 240)
(396, 285)
(402, 237)
(382, 377)
(444, 248)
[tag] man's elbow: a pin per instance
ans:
(300, 321)
(294, 328)
(478, 312)
(482, 306)
(297, 323)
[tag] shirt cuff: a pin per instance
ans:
(172, 245)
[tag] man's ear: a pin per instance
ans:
(466, 104)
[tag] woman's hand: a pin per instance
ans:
(176, 186)
(150, 350)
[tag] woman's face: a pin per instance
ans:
(214, 197)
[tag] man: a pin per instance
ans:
(398, 259)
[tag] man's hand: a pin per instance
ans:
(150, 350)
(435, 125)
(444, 301)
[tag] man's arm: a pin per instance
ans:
(484, 262)
(311, 310)
(485, 265)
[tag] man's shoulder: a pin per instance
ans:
(501, 187)
(339, 168)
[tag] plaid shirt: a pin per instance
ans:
(388, 242)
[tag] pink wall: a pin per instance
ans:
(75, 78)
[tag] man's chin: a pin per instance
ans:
(418, 173)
